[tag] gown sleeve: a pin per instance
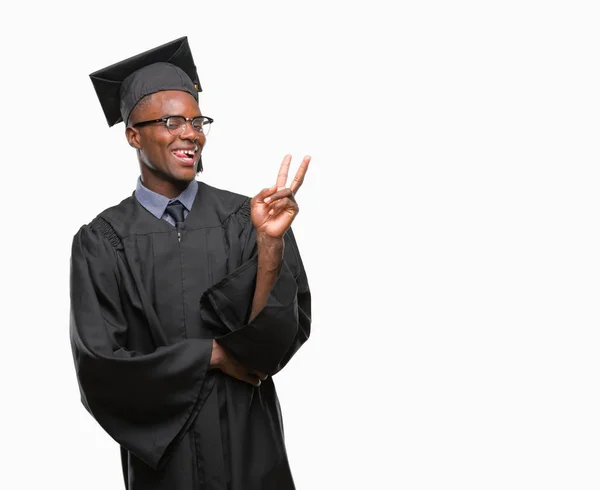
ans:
(270, 340)
(146, 401)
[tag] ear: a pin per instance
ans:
(133, 137)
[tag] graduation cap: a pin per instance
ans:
(122, 85)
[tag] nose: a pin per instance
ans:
(188, 133)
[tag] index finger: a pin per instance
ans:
(283, 172)
(299, 177)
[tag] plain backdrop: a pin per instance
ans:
(448, 225)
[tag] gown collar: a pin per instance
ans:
(156, 203)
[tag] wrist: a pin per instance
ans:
(265, 241)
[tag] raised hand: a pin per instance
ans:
(274, 209)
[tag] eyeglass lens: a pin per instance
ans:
(175, 125)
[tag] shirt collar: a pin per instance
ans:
(156, 203)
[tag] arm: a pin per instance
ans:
(268, 341)
(270, 258)
(146, 400)
(261, 311)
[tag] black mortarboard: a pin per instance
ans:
(122, 85)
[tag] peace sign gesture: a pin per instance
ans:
(273, 209)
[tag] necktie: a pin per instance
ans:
(175, 211)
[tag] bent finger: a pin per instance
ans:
(249, 378)
(286, 192)
(267, 191)
(285, 204)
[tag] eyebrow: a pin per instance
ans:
(178, 115)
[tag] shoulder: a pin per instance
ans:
(224, 203)
(119, 212)
(109, 224)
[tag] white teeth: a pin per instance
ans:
(187, 152)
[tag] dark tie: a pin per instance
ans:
(175, 211)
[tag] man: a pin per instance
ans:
(186, 299)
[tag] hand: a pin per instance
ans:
(221, 359)
(273, 209)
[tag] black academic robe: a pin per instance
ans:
(145, 306)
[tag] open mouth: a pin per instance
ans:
(185, 156)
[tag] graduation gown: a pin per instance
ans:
(146, 302)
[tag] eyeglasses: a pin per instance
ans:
(177, 124)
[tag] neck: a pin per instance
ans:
(167, 188)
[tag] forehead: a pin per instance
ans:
(169, 102)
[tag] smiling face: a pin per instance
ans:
(168, 163)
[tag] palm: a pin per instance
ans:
(273, 210)
(272, 226)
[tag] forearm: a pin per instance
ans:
(270, 258)
(278, 327)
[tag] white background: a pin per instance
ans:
(448, 225)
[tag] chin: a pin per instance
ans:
(181, 173)
(174, 173)
(187, 176)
